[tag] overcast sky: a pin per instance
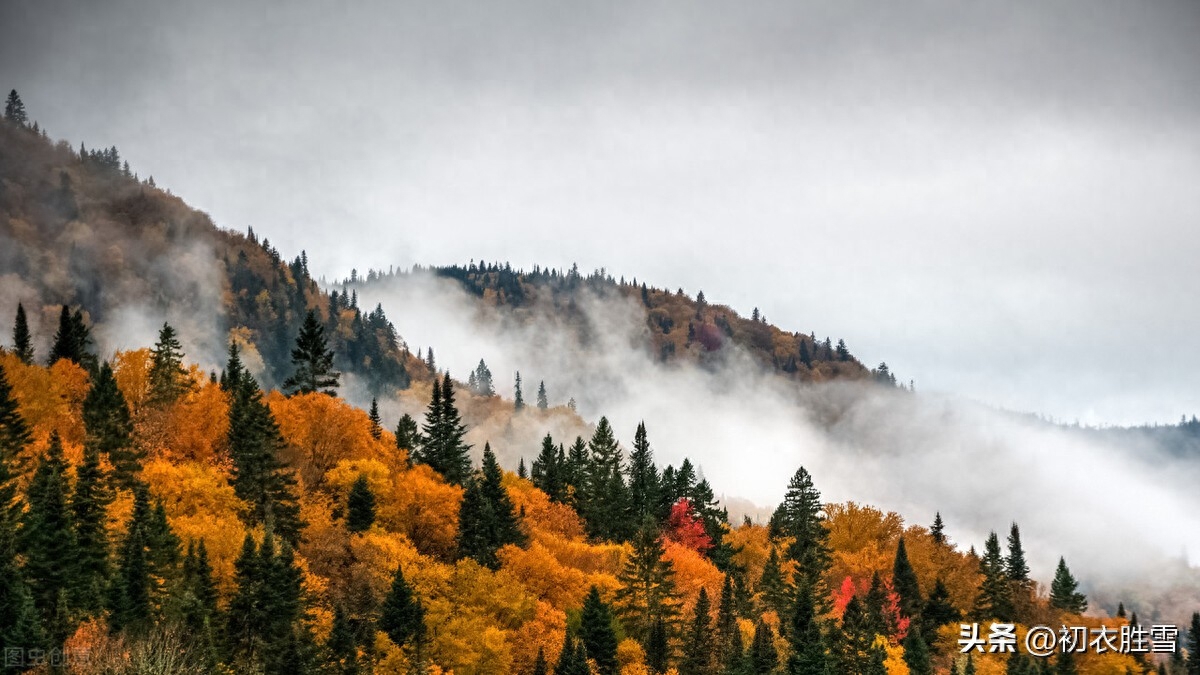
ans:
(1001, 200)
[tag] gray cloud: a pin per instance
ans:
(999, 201)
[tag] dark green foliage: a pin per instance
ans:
(539, 663)
(995, 595)
(658, 649)
(547, 471)
(131, 592)
(442, 447)
(802, 517)
(341, 650)
(408, 435)
(72, 340)
(596, 632)
(939, 610)
(606, 498)
(916, 653)
(904, 582)
(19, 626)
(47, 539)
(194, 605)
(773, 587)
(22, 340)
(1064, 593)
(877, 666)
(852, 645)
(644, 482)
(168, 378)
(763, 655)
(88, 504)
(259, 476)
(542, 401)
(804, 635)
(14, 109)
(647, 597)
(360, 507)
(1193, 645)
(487, 519)
(522, 472)
(263, 612)
(373, 417)
(699, 657)
(505, 526)
(572, 660)
(480, 380)
(518, 397)
(1065, 664)
(402, 617)
(109, 427)
(969, 666)
(937, 530)
(1015, 566)
(729, 638)
(312, 360)
(574, 473)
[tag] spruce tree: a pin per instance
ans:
(657, 646)
(575, 471)
(1064, 593)
(518, 397)
(1014, 565)
(804, 635)
(522, 472)
(475, 521)
(88, 504)
(539, 663)
(606, 498)
(131, 593)
(109, 427)
(729, 637)
(804, 520)
(505, 528)
(916, 653)
(646, 596)
(939, 609)
(699, 657)
(14, 109)
(1193, 645)
(937, 530)
(995, 597)
(313, 361)
(904, 582)
(341, 649)
(19, 625)
(259, 476)
(402, 617)
(644, 482)
(596, 632)
(168, 378)
(851, 644)
(48, 540)
(360, 507)
(547, 473)
(443, 448)
(72, 340)
(408, 435)
(542, 402)
(763, 655)
(773, 587)
(22, 340)
(373, 417)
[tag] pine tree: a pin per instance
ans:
(1064, 594)
(373, 417)
(539, 662)
(773, 588)
(443, 448)
(483, 380)
(522, 472)
(916, 653)
(995, 597)
(644, 482)
(22, 340)
(542, 401)
(803, 519)
(475, 520)
(657, 646)
(646, 596)
(48, 539)
(763, 655)
(904, 582)
(360, 508)
(518, 398)
(937, 530)
(547, 473)
(72, 340)
(698, 654)
(505, 527)
(132, 590)
(14, 109)
(408, 435)
(313, 361)
(168, 378)
(939, 609)
(804, 635)
(606, 499)
(88, 504)
(729, 642)
(852, 644)
(19, 626)
(1193, 646)
(1014, 565)
(596, 631)
(576, 468)
(969, 668)
(341, 650)
(259, 476)
(109, 427)
(402, 617)
(194, 605)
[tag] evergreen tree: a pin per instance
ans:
(916, 653)
(904, 582)
(259, 476)
(483, 380)
(408, 435)
(264, 611)
(763, 655)
(969, 667)
(995, 597)
(1014, 565)
(313, 361)
(22, 340)
(1064, 593)
(505, 528)
(644, 483)
(606, 499)
(522, 472)
(475, 520)
(443, 448)
(72, 340)
(547, 472)
(1065, 664)
(360, 507)
(14, 109)
(596, 632)
(939, 610)
(131, 593)
(194, 604)
(48, 540)
(109, 426)
(19, 626)
(542, 401)
(698, 654)
(646, 596)
(168, 378)
(575, 471)
(658, 649)
(572, 660)
(729, 637)
(402, 617)
(341, 648)
(852, 645)
(937, 530)
(88, 504)
(1193, 645)
(803, 518)
(518, 398)
(804, 635)
(773, 587)
(539, 663)
(373, 418)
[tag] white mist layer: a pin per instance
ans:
(1122, 516)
